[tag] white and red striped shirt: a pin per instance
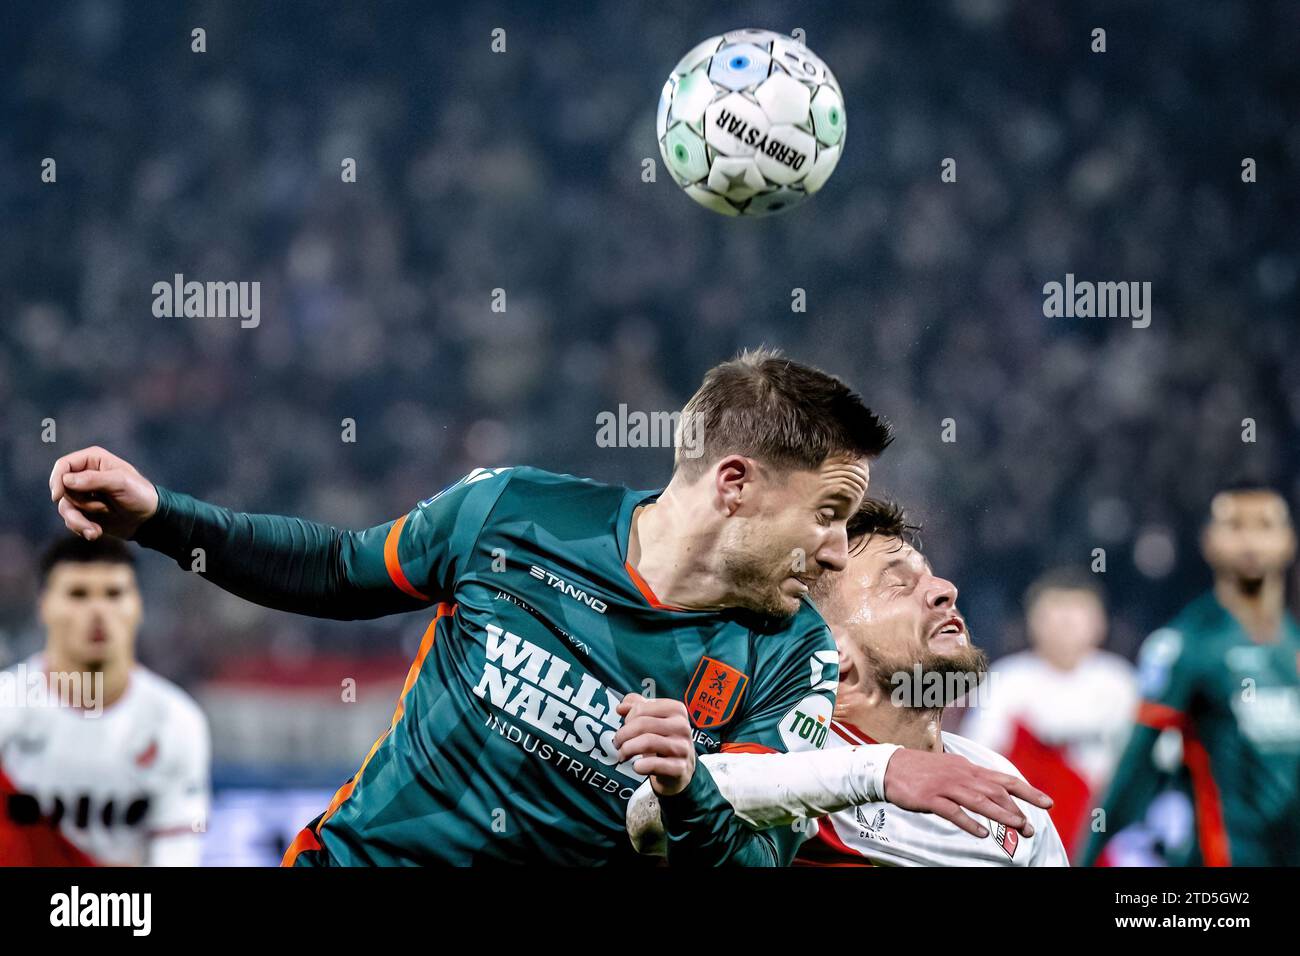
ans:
(126, 786)
(881, 834)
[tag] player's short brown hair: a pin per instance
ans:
(880, 517)
(875, 517)
(1247, 485)
(1063, 579)
(784, 413)
(70, 549)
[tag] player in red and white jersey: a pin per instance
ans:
(904, 654)
(882, 834)
(102, 762)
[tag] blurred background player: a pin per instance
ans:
(1225, 674)
(120, 776)
(1060, 710)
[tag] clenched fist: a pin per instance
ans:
(98, 493)
(658, 732)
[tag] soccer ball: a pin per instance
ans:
(750, 123)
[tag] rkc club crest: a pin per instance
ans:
(714, 692)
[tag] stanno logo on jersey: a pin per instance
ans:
(564, 587)
(714, 692)
(1006, 838)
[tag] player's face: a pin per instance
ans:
(1065, 624)
(1249, 534)
(891, 605)
(91, 612)
(793, 531)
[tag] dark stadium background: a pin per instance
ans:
(522, 171)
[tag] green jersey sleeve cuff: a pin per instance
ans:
(168, 528)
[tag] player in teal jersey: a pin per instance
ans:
(1225, 674)
(577, 624)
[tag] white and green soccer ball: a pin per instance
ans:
(751, 123)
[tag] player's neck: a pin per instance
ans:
(674, 555)
(109, 680)
(1064, 661)
(873, 713)
(1256, 607)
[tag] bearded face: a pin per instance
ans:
(901, 619)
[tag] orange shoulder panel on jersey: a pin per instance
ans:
(394, 565)
(304, 841)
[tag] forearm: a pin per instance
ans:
(285, 563)
(768, 790)
(775, 790)
(700, 829)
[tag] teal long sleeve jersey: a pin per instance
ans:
(1236, 705)
(501, 748)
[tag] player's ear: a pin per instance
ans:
(732, 476)
(850, 673)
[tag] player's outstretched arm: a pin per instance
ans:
(769, 790)
(285, 563)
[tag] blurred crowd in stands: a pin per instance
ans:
(522, 171)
